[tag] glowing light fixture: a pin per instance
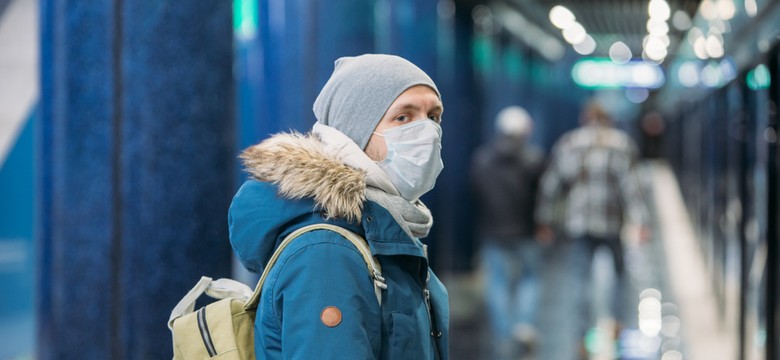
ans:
(688, 74)
(708, 9)
(655, 48)
(700, 48)
(681, 20)
(637, 96)
(710, 75)
(694, 34)
(751, 8)
(574, 33)
(561, 17)
(659, 9)
(650, 316)
(586, 47)
(714, 47)
(657, 27)
(603, 73)
(759, 78)
(664, 40)
(245, 19)
(726, 9)
(619, 53)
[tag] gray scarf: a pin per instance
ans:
(414, 218)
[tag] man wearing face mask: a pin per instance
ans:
(374, 150)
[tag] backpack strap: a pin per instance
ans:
(373, 265)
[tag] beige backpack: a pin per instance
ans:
(224, 329)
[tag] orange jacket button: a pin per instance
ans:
(331, 316)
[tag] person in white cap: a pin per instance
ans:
(504, 176)
(374, 150)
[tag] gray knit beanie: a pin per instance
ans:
(361, 89)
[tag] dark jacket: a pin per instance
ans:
(322, 269)
(504, 178)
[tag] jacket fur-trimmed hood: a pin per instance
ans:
(301, 168)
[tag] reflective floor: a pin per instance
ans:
(654, 328)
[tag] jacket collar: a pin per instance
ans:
(302, 168)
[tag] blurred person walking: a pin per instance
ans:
(591, 173)
(504, 176)
(374, 150)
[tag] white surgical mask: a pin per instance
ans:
(413, 159)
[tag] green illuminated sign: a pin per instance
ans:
(759, 78)
(245, 18)
(598, 73)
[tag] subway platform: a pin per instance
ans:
(672, 304)
(675, 313)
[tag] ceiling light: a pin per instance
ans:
(681, 20)
(586, 47)
(714, 47)
(688, 74)
(708, 9)
(654, 44)
(656, 53)
(637, 95)
(694, 34)
(647, 59)
(575, 33)
(665, 40)
(728, 69)
(657, 27)
(719, 26)
(710, 76)
(561, 17)
(700, 48)
(658, 9)
(726, 9)
(751, 8)
(619, 53)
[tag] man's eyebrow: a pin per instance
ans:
(415, 107)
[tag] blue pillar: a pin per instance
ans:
(409, 28)
(297, 43)
(136, 170)
(452, 236)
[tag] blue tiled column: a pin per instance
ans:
(451, 239)
(298, 43)
(137, 158)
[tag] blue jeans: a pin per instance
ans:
(512, 288)
(581, 259)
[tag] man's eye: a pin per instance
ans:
(434, 117)
(402, 118)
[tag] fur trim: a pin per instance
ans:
(300, 167)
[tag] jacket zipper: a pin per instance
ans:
(204, 332)
(435, 333)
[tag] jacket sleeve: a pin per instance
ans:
(550, 187)
(326, 271)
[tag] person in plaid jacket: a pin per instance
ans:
(587, 192)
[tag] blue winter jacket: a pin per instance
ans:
(321, 269)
